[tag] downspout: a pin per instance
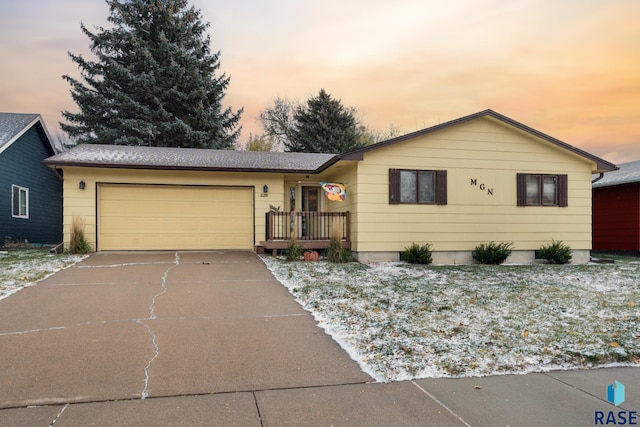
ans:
(55, 172)
(598, 178)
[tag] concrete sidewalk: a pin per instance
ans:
(211, 338)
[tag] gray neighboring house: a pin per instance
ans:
(30, 193)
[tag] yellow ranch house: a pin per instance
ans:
(476, 179)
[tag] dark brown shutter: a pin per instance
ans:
(563, 190)
(521, 189)
(441, 187)
(394, 186)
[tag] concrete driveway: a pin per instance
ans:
(196, 336)
(211, 338)
(133, 325)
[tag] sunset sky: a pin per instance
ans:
(569, 68)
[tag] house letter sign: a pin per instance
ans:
(482, 187)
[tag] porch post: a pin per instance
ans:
(270, 225)
(348, 227)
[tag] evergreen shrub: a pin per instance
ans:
(556, 252)
(416, 254)
(294, 251)
(492, 253)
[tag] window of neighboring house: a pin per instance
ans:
(20, 202)
(542, 190)
(417, 187)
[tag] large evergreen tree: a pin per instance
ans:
(279, 125)
(155, 81)
(323, 126)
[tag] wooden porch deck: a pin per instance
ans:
(311, 230)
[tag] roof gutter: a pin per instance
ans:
(598, 178)
(54, 169)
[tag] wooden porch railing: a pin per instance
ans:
(312, 230)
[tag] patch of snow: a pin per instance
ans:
(401, 321)
(20, 274)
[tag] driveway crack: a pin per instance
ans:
(152, 307)
(255, 400)
(152, 316)
(156, 353)
(59, 414)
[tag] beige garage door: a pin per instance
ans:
(156, 217)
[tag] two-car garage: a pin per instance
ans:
(174, 217)
(170, 198)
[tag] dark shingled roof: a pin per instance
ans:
(627, 174)
(12, 124)
(120, 156)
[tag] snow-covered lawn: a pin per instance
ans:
(402, 321)
(24, 267)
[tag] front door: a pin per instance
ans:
(310, 224)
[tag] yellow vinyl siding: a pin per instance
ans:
(349, 177)
(347, 174)
(482, 158)
(489, 154)
(156, 217)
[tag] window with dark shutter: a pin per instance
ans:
(521, 186)
(394, 186)
(563, 190)
(441, 187)
(408, 186)
(541, 190)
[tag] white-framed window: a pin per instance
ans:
(19, 202)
